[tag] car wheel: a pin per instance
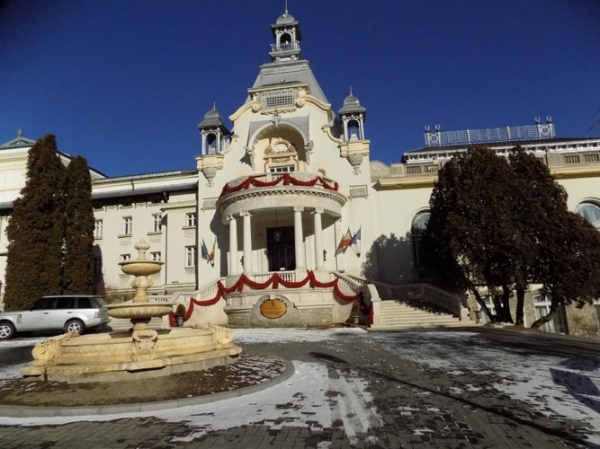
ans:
(74, 326)
(7, 330)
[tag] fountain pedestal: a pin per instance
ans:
(139, 354)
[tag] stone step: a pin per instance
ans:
(401, 316)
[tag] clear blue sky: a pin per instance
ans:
(125, 82)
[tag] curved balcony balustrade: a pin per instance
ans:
(274, 191)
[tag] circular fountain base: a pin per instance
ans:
(133, 355)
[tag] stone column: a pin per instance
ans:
(319, 260)
(298, 238)
(203, 143)
(233, 246)
(247, 242)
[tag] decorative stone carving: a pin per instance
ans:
(300, 102)
(354, 151)
(209, 203)
(143, 344)
(251, 156)
(209, 164)
(46, 351)
(221, 335)
(355, 160)
(359, 192)
(209, 173)
(308, 148)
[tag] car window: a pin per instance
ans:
(44, 304)
(99, 302)
(64, 302)
(84, 303)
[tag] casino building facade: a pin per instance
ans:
(287, 218)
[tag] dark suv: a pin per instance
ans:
(71, 313)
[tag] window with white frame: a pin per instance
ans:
(125, 257)
(282, 169)
(156, 222)
(590, 211)
(483, 317)
(98, 227)
(127, 225)
(191, 219)
(155, 255)
(190, 256)
(542, 305)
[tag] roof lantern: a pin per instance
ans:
(212, 119)
(353, 116)
(352, 106)
(287, 34)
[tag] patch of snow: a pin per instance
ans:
(292, 335)
(20, 342)
(296, 402)
(10, 372)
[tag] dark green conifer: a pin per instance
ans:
(79, 236)
(36, 229)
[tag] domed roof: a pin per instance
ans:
(213, 113)
(285, 19)
(212, 119)
(351, 105)
(351, 100)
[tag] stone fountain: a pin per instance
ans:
(140, 353)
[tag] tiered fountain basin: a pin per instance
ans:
(138, 354)
(118, 356)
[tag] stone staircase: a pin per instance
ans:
(396, 315)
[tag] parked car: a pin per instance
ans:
(71, 313)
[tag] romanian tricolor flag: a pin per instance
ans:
(345, 242)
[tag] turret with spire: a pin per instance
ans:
(287, 34)
(353, 116)
(213, 131)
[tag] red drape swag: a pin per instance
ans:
(286, 179)
(274, 282)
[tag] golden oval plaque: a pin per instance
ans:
(273, 308)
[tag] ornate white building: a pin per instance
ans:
(286, 218)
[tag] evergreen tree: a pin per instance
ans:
(79, 235)
(36, 229)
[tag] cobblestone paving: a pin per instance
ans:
(415, 408)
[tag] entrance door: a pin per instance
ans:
(280, 249)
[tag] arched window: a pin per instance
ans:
(589, 211)
(417, 229)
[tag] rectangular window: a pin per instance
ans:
(482, 317)
(190, 256)
(125, 257)
(127, 225)
(98, 225)
(156, 222)
(542, 307)
(155, 256)
(191, 219)
(282, 169)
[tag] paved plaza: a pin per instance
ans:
(471, 388)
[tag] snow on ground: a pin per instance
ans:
(568, 387)
(292, 335)
(20, 342)
(551, 384)
(307, 399)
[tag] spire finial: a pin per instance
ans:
(286, 8)
(19, 132)
(351, 90)
(214, 105)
